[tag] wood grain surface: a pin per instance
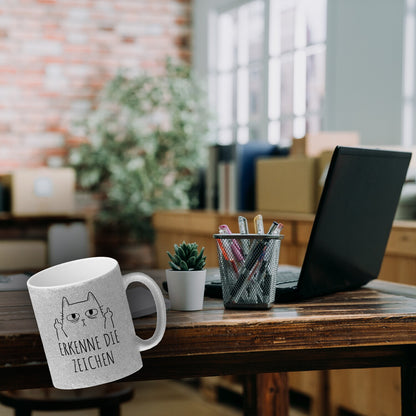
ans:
(370, 327)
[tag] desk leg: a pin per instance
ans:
(266, 395)
(408, 379)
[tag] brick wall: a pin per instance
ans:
(56, 54)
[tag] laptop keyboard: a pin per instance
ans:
(287, 276)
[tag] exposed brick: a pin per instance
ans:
(55, 56)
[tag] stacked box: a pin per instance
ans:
(286, 184)
(22, 255)
(41, 191)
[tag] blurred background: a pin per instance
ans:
(114, 111)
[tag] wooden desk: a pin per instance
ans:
(325, 389)
(372, 327)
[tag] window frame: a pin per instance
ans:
(205, 63)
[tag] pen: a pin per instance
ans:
(264, 269)
(258, 246)
(275, 228)
(244, 271)
(256, 289)
(252, 264)
(243, 227)
(258, 224)
(235, 247)
(224, 253)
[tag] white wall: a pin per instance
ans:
(364, 68)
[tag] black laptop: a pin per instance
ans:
(352, 224)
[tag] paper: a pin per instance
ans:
(13, 282)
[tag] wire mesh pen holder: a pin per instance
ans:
(248, 268)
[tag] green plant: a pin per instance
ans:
(187, 257)
(146, 144)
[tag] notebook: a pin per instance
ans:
(352, 224)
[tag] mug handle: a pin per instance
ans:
(146, 344)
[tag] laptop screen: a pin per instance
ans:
(353, 220)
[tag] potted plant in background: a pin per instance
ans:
(144, 148)
(186, 278)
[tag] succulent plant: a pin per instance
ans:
(187, 257)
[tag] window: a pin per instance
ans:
(266, 68)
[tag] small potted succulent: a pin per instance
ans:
(186, 278)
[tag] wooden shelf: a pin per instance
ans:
(26, 240)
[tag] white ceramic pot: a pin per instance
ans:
(186, 289)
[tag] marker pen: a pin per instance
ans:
(243, 227)
(235, 247)
(258, 224)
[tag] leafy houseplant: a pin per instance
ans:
(186, 278)
(187, 257)
(146, 143)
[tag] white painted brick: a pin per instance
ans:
(79, 14)
(9, 115)
(43, 140)
(135, 29)
(77, 38)
(80, 70)
(42, 47)
(55, 84)
(103, 5)
(62, 53)
(8, 92)
(80, 106)
(54, 70)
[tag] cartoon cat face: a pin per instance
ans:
(85, 315)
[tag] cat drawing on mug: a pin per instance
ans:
(82, 317)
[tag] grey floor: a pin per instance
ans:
(160, 398)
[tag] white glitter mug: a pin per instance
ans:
(85, 322)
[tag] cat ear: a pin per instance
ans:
(91, 296)
(65, 302)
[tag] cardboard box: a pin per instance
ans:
(322, 170)
(313, 144)
(41, 191)
(22, 255)
(286, 184)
